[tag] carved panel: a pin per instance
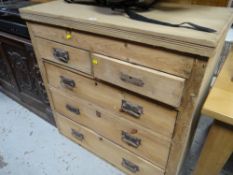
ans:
(19, 69)
(36, 76)
(26, 71)
(5, 72)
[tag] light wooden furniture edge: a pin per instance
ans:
(219, 143)
(184, 41)
(195, 101)
(223, 86)
(223, 3)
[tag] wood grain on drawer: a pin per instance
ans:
(69, 56)
(141, 141)
(151, 83)
(155, 117)
(119, 157)
(156, 58)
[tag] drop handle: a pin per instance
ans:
(61, 55)
(131, 80)
(73, 109)
(78, 135)
(130, 140)
(67, 83)
(134, 110)
(130, 166)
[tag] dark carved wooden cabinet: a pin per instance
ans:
(20, 76)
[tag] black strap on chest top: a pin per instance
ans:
(138, 17)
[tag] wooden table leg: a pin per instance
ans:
(216, 151)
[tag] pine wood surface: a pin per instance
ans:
(218, 146)
(78, 59)
(216, 151)
(223, 3)
(219, 103)
(145, 166)
(153, 148)
(185, 119)
(156, 85)
(105, 148)
(122, 34)
(103, 21)
(155, 117)
(151, 57)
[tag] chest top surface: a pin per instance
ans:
(104, 21)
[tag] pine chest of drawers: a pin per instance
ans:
(128, 91)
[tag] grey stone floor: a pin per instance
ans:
(31, 146)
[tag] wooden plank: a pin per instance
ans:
(152, 57)
(219, 105)
(153, 84)
(209, 73)
(152, 147)
(103, 21)
(217, 149)
(223, 3)
(185, 119)
(77, 59)
(104, 148)
(220, 100)
(156, 117)
(197, 88)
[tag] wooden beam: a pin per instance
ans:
(216, 151)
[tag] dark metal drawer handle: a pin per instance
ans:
(73, 109)
(67, 83)
(130, 140)
(77, 135)
(131, 80)
(132, 109)
(61, 55)
(130, 166)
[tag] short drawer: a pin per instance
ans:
(117, 156)
(126, 105)
(69, 56)
(165, 60)
(151, 83)
(149, 145)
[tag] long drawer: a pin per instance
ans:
(156, 58)
(151, 83)
(119, 157)
(141, 141)
(126, 105)
(74, 58)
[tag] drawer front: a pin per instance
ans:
(119, 157)
(69, 56)
(151, 83)
(141, 141)
(149, 114)
(152, 57)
